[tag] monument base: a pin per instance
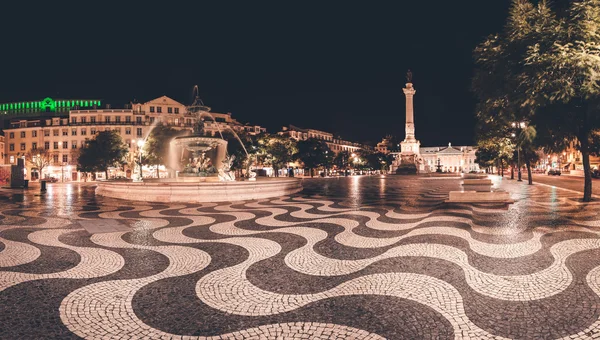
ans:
(406, 169)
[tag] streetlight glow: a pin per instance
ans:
(140, 144)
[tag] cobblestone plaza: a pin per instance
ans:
(357, 257)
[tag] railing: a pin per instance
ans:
(104, 111)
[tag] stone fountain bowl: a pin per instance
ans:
(199, 143)
(188, 191)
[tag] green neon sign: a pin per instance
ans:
(48, 103)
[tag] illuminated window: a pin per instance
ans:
(22, 146)
(12, 159)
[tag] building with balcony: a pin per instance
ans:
(64, 134)
(335, 144)
(2, 150)
(222, 122)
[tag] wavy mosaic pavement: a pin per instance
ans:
(356, 258)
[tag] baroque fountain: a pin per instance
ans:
(203, 172)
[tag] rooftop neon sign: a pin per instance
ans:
(49, 104)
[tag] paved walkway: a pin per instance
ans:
(359, 257)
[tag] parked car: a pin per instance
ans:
(595, 173)
(553, 172)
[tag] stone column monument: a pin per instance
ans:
(409, 162)
(410, 145)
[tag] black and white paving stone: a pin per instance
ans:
(356, 258)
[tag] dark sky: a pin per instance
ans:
(333, 66)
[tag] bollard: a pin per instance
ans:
(42, 186)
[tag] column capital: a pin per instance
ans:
(409, 89)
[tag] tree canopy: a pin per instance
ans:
(105, 150)
(314, 153)
(275, 150)
(543, 69)
(39, 158)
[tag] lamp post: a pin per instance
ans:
(140, 144)
(521, 125)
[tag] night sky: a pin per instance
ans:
(338, 67)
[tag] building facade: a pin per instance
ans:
(64, 134)
(450, 158)
(335, 144)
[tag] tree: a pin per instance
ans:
(341, 160)
(157, 145)
(105, 150)
(494, 150)
(275, 150)
(527, 149)
(313, 153)
(562, 78)
(39, 158)
(544, 69)
(376, 160)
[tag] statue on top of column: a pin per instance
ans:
(409, 76)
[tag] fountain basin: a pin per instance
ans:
(196, 192)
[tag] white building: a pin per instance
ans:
(450, 158)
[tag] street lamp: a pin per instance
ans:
(521, 125)
(140, 144)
